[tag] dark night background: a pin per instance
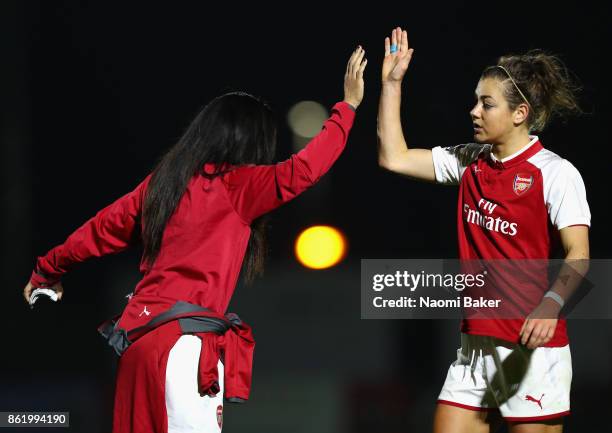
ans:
(93, 93)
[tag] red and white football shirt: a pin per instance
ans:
(509, 209)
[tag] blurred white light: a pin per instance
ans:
(306, 118)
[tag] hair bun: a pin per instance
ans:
(544, 81)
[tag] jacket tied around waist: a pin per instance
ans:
(223, 337)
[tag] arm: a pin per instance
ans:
(569, 213)
(109, 231)
(258, 189)
(393, 152)
(539, 327)
(575, 241)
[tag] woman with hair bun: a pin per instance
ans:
(515, 196)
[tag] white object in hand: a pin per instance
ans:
(42, 291)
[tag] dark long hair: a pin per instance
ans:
(233, 129)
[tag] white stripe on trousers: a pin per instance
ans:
(188, 411)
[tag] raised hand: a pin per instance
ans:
(353, 77)
(395, 64)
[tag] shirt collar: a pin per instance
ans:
(522, 154)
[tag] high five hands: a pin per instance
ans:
(397, 57)
(353, 77)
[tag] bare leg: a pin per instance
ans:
(451, 419)
(552, 426)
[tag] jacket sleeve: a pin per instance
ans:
(257, 189)
(109, 231)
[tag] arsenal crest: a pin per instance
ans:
(522, 183)
(220, 416)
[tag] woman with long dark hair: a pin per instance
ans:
(515, 197)
(199, 216)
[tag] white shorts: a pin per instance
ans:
(523, 384)
(188, 411)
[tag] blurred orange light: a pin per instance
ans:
(320, 247)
